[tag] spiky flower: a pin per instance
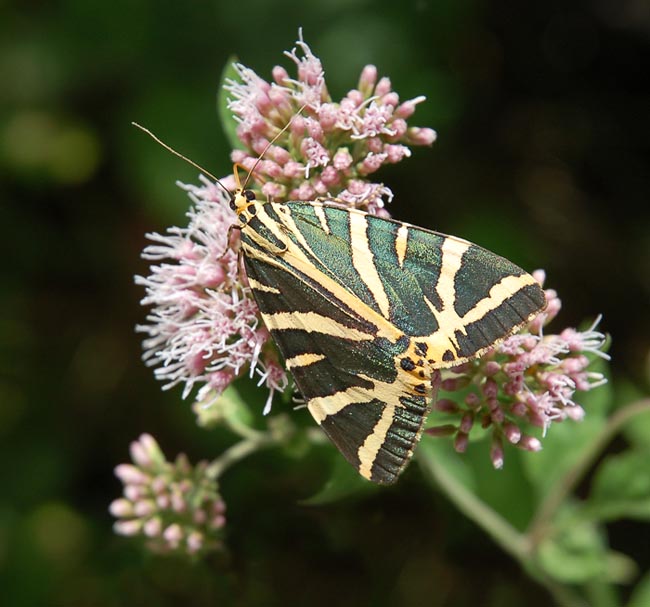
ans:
(331, 148)
(204, 327)
(530, 379)
(174, 505)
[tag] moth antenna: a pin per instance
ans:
(270, 143)
(185, 158)
(235, 173)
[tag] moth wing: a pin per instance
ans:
(371, 409)
(454, 296)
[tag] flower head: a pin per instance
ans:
(530, 379)
(204, 327)
(330, 146)
(174, 505)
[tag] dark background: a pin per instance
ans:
(542, 115)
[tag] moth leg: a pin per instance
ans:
(297, 399)
(231, 227)
(371, 196)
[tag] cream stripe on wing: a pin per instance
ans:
(363, 260)
(321, 407)
(401, 240)
(258, 286)
(312, 322)
(295, 261)
(447, 318)
(267, 221)
(320, 213)
(368, 451)
(388, 392)
(499, 293)
(452, 255)
(303, 360)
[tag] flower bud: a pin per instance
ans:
(172, 504)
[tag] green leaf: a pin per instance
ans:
(226, 117)
(344, 482)
(236, 409)
(621, 487)
(564, 445)
(601, 593)
(474, 471)
(458, 480)
(641, 594)
(621, 568)
(508, 491)
(433, 452)
(229, 407)
(294, 442)
(575, 555)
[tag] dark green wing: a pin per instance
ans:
(456, 296)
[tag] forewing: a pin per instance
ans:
(452, 296)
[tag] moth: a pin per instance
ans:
(366, 311)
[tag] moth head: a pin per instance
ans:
(243, 202)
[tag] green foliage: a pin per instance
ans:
(226, 117)
(575, 555)
(621, 487)
(344, 481)
(229, 408)
(560, 539)
(641, 594)
(536, 517)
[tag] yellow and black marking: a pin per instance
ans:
(366, 310)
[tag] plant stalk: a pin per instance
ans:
(238, 452)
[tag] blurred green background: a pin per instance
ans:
(542, 112)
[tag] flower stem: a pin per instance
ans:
(238, 452)
(243, 430)
(566, 484)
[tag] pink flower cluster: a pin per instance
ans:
(331, 148)
(529, 379)
(204, 327)
(175, 506)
